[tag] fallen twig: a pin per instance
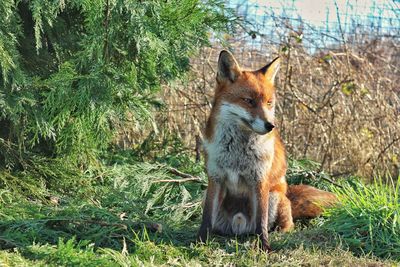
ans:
(332, 182)
(191, 179)
(187, 177)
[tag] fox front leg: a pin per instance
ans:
(262, 191)
(210, 210)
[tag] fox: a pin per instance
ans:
(245, 159)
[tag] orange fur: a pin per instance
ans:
(308, 202)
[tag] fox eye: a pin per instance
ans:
(249, 101)
(270, 103)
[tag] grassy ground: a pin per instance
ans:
(49, 236)
(138, 214)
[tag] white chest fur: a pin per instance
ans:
(237, 156)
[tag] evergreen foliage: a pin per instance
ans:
(72, 71)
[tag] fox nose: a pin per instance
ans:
(268, 126)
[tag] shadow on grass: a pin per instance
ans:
(86, 225)
(109, 230)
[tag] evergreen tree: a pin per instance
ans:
(72, 70)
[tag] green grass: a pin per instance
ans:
(368, 218)
(109, 217)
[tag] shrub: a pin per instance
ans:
(72, 72)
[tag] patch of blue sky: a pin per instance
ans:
(382, 17)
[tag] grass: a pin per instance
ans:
(115, 219)
(368, 218)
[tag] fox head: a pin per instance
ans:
(246, 98)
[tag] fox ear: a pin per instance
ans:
(228, 68)
(271, 69)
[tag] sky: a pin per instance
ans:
(322, 12)
(376, 17)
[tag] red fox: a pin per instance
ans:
(245, 159)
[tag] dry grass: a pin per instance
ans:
(339, 107)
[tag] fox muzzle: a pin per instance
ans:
(259, 126)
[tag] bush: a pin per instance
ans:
(72, 72)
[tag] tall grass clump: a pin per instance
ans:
(368, 218)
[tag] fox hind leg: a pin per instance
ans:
(284, 214)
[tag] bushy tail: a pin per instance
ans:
(308, 201)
